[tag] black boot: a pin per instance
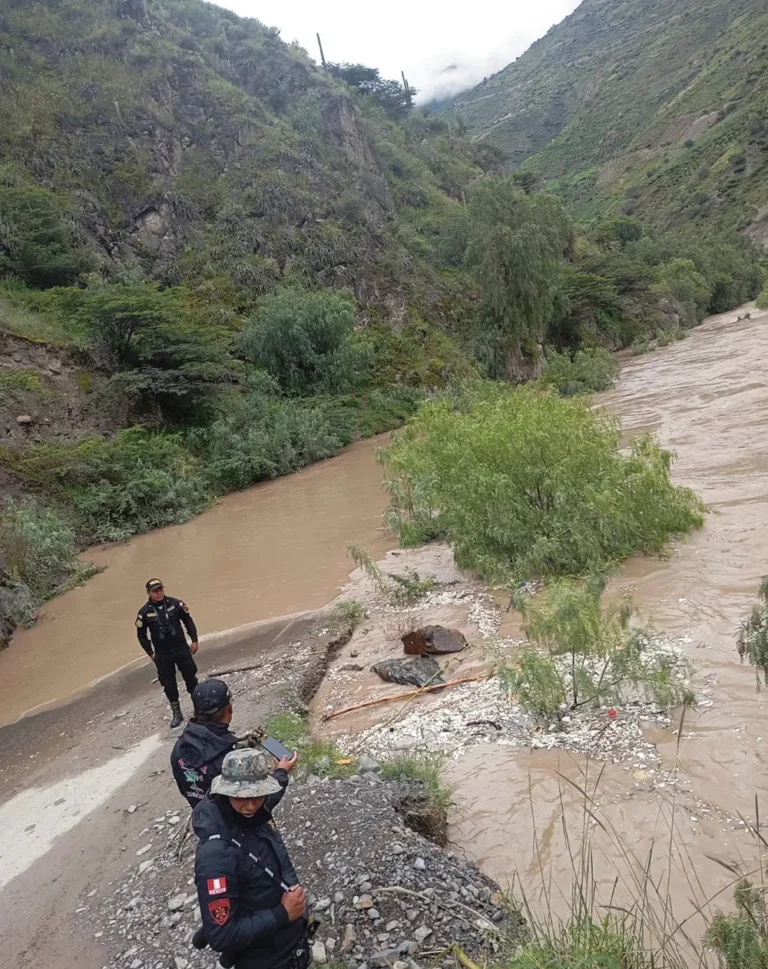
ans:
(178, 717)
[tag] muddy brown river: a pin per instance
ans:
(523, 817)
(280, 548)
(277, 548)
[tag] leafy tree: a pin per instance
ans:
(516, 244)
(302, 339)
(621, 231)
(392, 96)
(679, 279)
(165, 353)
(39, 237)
(523, 483)
(583, 372)
(590, 306)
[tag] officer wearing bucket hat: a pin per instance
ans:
(160, 627)
(252, 905)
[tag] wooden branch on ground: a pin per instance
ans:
(235, 669)
(405, 696)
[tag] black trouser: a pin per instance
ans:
(167, 663)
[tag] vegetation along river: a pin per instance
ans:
(522, 816)
(281, 547)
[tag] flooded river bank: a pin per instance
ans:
(277, 548)
(281, 547)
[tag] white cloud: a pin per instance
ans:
(442, 47)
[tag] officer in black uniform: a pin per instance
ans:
(198, 754)
(160, 627)
(254, 910)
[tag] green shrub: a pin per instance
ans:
(399, 589)
(319, 757)
(262, 435)
(302, 339)
(24, 380)
(523, 483)
(39, 237)
(134, 482)
(588, 655)
(752, 639)
(39, 551)
(346, 615)
(583, 372)
(762, 300)
(741, 939)
(424, 769)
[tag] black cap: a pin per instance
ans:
(153, 584)
(210, 696)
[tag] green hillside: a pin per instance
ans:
(641, 106)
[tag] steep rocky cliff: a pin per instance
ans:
(182, 143)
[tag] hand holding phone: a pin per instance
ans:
(274, 747)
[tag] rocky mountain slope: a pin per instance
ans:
(641, 106)
(173, 140)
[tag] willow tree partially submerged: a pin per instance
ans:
(752, 639)
(523, 483)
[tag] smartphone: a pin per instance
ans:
(275, 748)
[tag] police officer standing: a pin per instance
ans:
(253, 907)
(160, 626)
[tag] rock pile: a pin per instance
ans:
(384, 894)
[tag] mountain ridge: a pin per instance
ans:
(620, 106)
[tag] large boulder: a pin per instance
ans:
(419, 671)
(434, 640)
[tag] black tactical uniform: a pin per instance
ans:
(239, 901)
(197, 756)
(160, 629)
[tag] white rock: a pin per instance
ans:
(419, 864)
(144, 850)
(422, 933)
(180, 962)
(177, 902)
(318, 952)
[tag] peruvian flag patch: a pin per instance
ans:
(217, 886)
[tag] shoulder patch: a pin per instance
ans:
(217, 886)
(219, 910)
(183, 605)
(139, 622)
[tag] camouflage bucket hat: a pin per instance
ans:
(244, 773)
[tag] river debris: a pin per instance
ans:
(486, 712)
(434, 640)
(416, 671)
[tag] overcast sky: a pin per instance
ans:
(425, 38)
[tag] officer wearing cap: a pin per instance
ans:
(198, 753)
(252, 905)
(160, 626)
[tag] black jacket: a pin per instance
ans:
(159, 626)
(239, 902)
(197, 755)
